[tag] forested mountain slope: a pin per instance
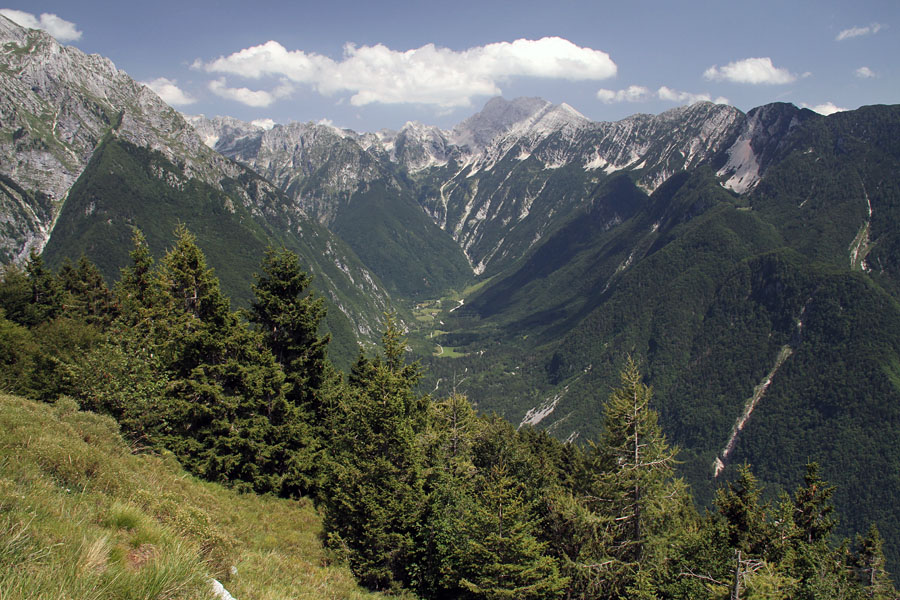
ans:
(780, 302)
(92, 154)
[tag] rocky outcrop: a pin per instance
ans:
(56, 105)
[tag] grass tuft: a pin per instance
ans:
(83, 517)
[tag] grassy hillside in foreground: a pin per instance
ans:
(82, 516)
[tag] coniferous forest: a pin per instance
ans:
(419, 494)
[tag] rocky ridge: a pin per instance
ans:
(503, 178)
(59, 107)
(56, 106)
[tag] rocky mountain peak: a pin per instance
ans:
(57, 104)
(497, 117)
(764, 134)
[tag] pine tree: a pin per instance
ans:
(17, 356)
(87, 297)
(223, 410)
(289, 316)
(46, 296)
(448, 481)
(135, 283)
(820, 569)
(813, 512)
(15, 293)
(738, 504)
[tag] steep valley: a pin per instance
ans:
(529, 251)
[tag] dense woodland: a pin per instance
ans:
(418, 493)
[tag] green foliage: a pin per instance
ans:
(46, 296)
(86, 294)
(373, 488)
(504, 558)
(15, 293)
(83, 516)
(639, 466)
(709, 289)
(235, 220)
(869, 566)
(744, 516)
(227, 415)
(289, 316)
(18, 352)
(398, 241)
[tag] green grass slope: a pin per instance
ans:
(84, 516)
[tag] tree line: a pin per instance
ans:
(417, 493)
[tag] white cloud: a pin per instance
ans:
(638, 93)
(258, 98)
(633, 93)
(865, 73)
(427, 75)
(264, 123)
(827, 108)
(64, 31)
(853, 32)
(670, 95)
(750, 70)
(255, 98)
(168, 90)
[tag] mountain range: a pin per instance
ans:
(748, 261)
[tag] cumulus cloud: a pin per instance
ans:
(638, 93)
(264, 123)
(168, 90)
(750, 70)
(865, 73)
(64, 31)
(827, 108)
(633, 93)
(426, 75)
(670, 95)
(255, 98)
(853, 32)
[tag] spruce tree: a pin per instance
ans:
(821, 570)
(289, 316)
(204, 385)
(15, 293)
(869, 566)
(744, 516)
(441, 542)
(374, 486)
(46, 295)
(504, 557)
(135, 283)
(813, 512)
(87, 297)
(635, 488)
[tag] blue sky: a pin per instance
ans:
(371, 65)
